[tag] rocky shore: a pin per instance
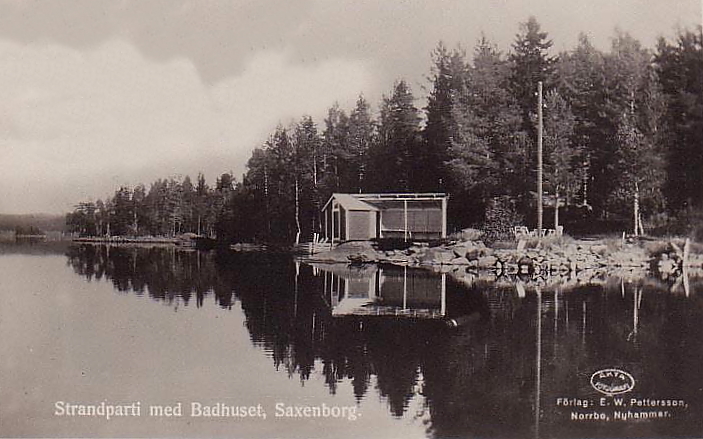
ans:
(550, 257)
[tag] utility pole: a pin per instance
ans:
(539, 160)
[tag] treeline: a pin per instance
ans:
(170, 207)
(32, 224)
(623, 142)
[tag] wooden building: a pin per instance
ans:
(361, 217)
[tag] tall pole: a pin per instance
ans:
(539, 360)
(539, 160)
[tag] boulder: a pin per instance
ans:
(474, 253)
(444, 256)
(599, 249)
(487, 261)
(471, 234)
(459, 251)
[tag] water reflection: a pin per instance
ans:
(391, 291)
(165, 273)
(384, 330)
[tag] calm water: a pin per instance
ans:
(368, 346)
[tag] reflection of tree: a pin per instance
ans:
(478, 380)
(637, 326)
(164, 273)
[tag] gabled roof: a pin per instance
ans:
(367, 202)
(349, 202)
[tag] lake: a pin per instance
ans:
(177, 343)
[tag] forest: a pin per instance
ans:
(622, 149)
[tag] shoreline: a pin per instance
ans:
(556, 261)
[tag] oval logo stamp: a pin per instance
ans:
(612, 381)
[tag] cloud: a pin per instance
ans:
(76, 124)
(220, 36)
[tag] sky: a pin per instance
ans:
(96, 94)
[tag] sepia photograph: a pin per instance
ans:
(402, 219)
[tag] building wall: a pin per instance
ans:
(342, 224)
(424, 220)
(421, 221)
(360, 225)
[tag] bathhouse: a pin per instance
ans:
(361, 217)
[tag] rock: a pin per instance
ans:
(459, 252)
(599, 249)
(357, 259)
(487, 261)
(471, 234)
(474, 253)
(460, 261)
(444, 256)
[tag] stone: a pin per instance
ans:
(599, 249)
(460, 261)
(444, 256)
(487, 261)
(459, 252)
(470, 234)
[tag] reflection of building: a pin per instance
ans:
(350, 217)
(391, 291)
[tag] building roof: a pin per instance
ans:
(349, 202)
(359, 201)
(401, 196)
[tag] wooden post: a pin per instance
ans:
(538, 360)
(405, 287)
(405, 217)
(444, 217)
(539, 160)
(556, 210)
(636, 210)
(443, 306)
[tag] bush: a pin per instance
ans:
(688, 223)
(692, 222)
(501, 217)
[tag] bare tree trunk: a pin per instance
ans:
(297, 211)
(636, 209)
(266, 196)
(556, 210)
(314, 167)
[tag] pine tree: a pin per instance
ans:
(336, 153)
(560, 152)
(531, 64)
(486, 156)
(680, 69)
(305, 144)
(449, 72)
(361, 137)
(635, 98)
(395, 160)
(580, 81)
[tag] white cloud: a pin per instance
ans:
(75, 125)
